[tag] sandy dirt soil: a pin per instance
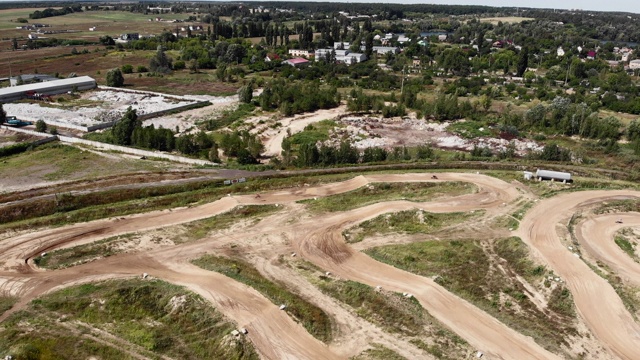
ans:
(318, 239)
(272, 138)
(596, 301)
(596, 235)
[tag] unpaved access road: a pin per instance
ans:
(596, 301)
(596, 235)
(319, 240)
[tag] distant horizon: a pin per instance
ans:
(628, 6)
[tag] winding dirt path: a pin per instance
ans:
(597, 234)
(318, 239)
(596, 301)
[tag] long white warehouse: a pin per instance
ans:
(54, 87)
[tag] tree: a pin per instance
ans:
(523, 61)
(160, 62)
(245, 93)
(122, 131)
(41, 126)
(115, 78)
(3, 115)
(368, 45)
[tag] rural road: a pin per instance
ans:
(274, 334)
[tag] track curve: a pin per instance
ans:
(273, 333)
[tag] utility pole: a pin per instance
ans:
(566, 78)
(402, 86)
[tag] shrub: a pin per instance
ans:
(41, 126)
(127, 69)
(115, 78)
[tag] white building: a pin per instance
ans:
(560, 51)
(344, 56)
(47, 88)
(634, 64)
(298, 53)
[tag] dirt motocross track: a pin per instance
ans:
(319, 240)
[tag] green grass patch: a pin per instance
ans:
(230, 117)
(6, 303)
(378, 352)
(195, 230)
(201, 228)
(390, 311)
(470, 129)
(465, 268)
(626, 246)
(407, 222)
(99, 205)
(313, 133)
(377, 192)
(159, 318)
(314, 319)
(630, 205)
(516, 253)
(55, 161)
(63, 258)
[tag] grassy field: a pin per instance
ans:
(407, 222)
(148, 318)
(378, 192)
(466, 269)
(6, 302)
(316, 321)
(56, 161)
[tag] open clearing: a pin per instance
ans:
(605, 328)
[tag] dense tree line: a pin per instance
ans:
(50, 12)
(128, 131)
(298, 97)
(570, 119)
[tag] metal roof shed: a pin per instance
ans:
(47, 88)
(553, 175)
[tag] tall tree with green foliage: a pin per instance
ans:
(3, 115)
(160, 62)
(122, 131)
(245, 93)
(115, 78)
(523, 61)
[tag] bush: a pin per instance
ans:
(115, 78)
(179, 65)
(41, 126)
(127, 69)
(142, 69)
